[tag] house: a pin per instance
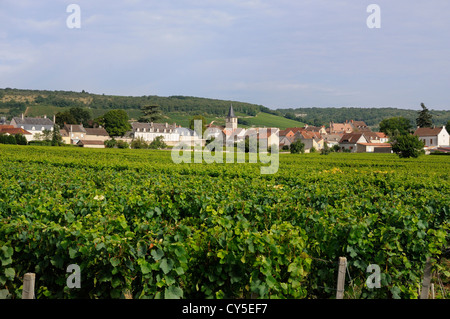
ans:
(271, 135)
(332, 139)
(11, 130)
(350, 141)
(235, 135)
(34, 125)
(340, 128)
(360, 126)
(286, 141)
(96, 134)
(433, 137)
(72, 133)
(310, 139)
(321, 130)
(373, 148)
(149, 131)
(375, 137)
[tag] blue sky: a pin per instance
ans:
(280, 54)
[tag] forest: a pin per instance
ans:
(13, 102)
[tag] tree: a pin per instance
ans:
(395, 125)
(80, 115)
(20, 139)
(139, 143)
(297, 147)
(203, 123)
(64, 117)
(56, 136)
(151, 113)
(325, 150)
(157, 143)
(447, 127)
(115, 122)
(425, 117)
(407, 145)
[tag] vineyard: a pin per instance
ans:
(139, 225)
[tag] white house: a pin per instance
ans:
(149, 132)
(350, 141)
(34, 125)
(433, 137)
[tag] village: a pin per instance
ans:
(351, 136)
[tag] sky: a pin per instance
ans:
(280, 54)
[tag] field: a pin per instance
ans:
(141, 226)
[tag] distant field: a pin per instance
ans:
(269, 120)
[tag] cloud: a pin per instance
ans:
(284, 52)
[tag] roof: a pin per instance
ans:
(231, 111)
(308, 135)
(359, 123)
(14, 130)
(155, 126)
(87, 142)
(74, 128)
(351, 138)
(340, 127)
(33, 121)
(376, 144)
(96, 131)
(428, 131)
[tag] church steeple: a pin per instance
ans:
(231, 121)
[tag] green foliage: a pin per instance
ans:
(20, 139)
(151, 113)
(7, 139)
(202, 125)
(297, 147)
(326, 149)
(139, 143)
(56, 136)
(407, 145)
(425, 118)
(111, 143)
(115, 122)
(157, 143)
(122, 144)
(395, 125)
(136, 222)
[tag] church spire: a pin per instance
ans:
(231, 112)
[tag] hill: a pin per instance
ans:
(174, 109)
(180, 109)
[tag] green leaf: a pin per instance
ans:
(114, 261)
(166, 265)
(145, 267)
(271, 281)
(72, 252)
(173, 292)
(10, 273)
(157, 254)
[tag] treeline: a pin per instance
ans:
(171, 104)
(371, 116)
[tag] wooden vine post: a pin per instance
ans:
(28, 285)
(426, 280)
(341, 278)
